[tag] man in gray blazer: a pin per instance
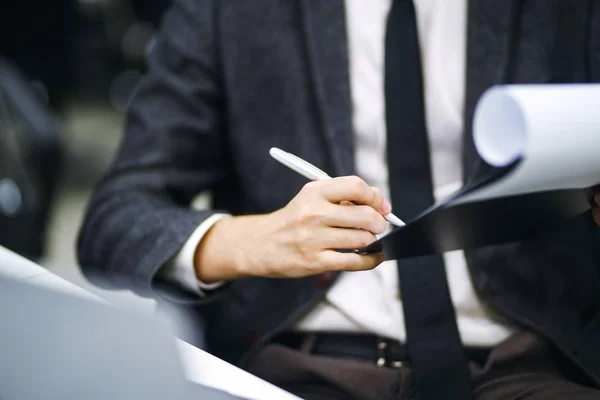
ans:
(228, 80)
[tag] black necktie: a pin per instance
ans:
(434, 347)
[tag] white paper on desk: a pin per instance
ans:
(206, 369)
(553, 129)
(19, 268)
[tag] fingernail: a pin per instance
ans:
(386, 207)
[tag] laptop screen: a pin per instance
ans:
(53, 345)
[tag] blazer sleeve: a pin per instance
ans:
(173, 148)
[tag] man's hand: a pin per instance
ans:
(300, 239)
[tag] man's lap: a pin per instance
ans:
(519, 368)
(534, 386)
(523, 367)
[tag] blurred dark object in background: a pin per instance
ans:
(111, 44)
(30, 158)
(37, 36)
(79, 45)
(151, 10)
(56, 57)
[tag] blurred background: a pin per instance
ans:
(67, 71)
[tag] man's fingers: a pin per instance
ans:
(357, 217)
(340, 238)
(352, 188)
(336, 261)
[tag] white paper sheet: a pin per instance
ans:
(554, 128)
(206, 369)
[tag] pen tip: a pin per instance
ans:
(395, 220)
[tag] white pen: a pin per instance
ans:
(313, 173)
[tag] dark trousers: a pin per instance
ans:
(522, 367)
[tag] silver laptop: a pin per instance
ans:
(55, 346)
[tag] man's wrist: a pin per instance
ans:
(179, 271)
(219, 255)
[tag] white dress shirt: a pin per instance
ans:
(370, 301)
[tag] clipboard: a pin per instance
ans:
(541, 148)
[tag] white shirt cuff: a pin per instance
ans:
(180, 270)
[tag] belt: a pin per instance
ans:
(385, 353)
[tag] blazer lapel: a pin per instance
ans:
(324, 26)
(490, 38)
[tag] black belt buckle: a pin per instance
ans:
(382, 356)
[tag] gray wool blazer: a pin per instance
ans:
(229, 79)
